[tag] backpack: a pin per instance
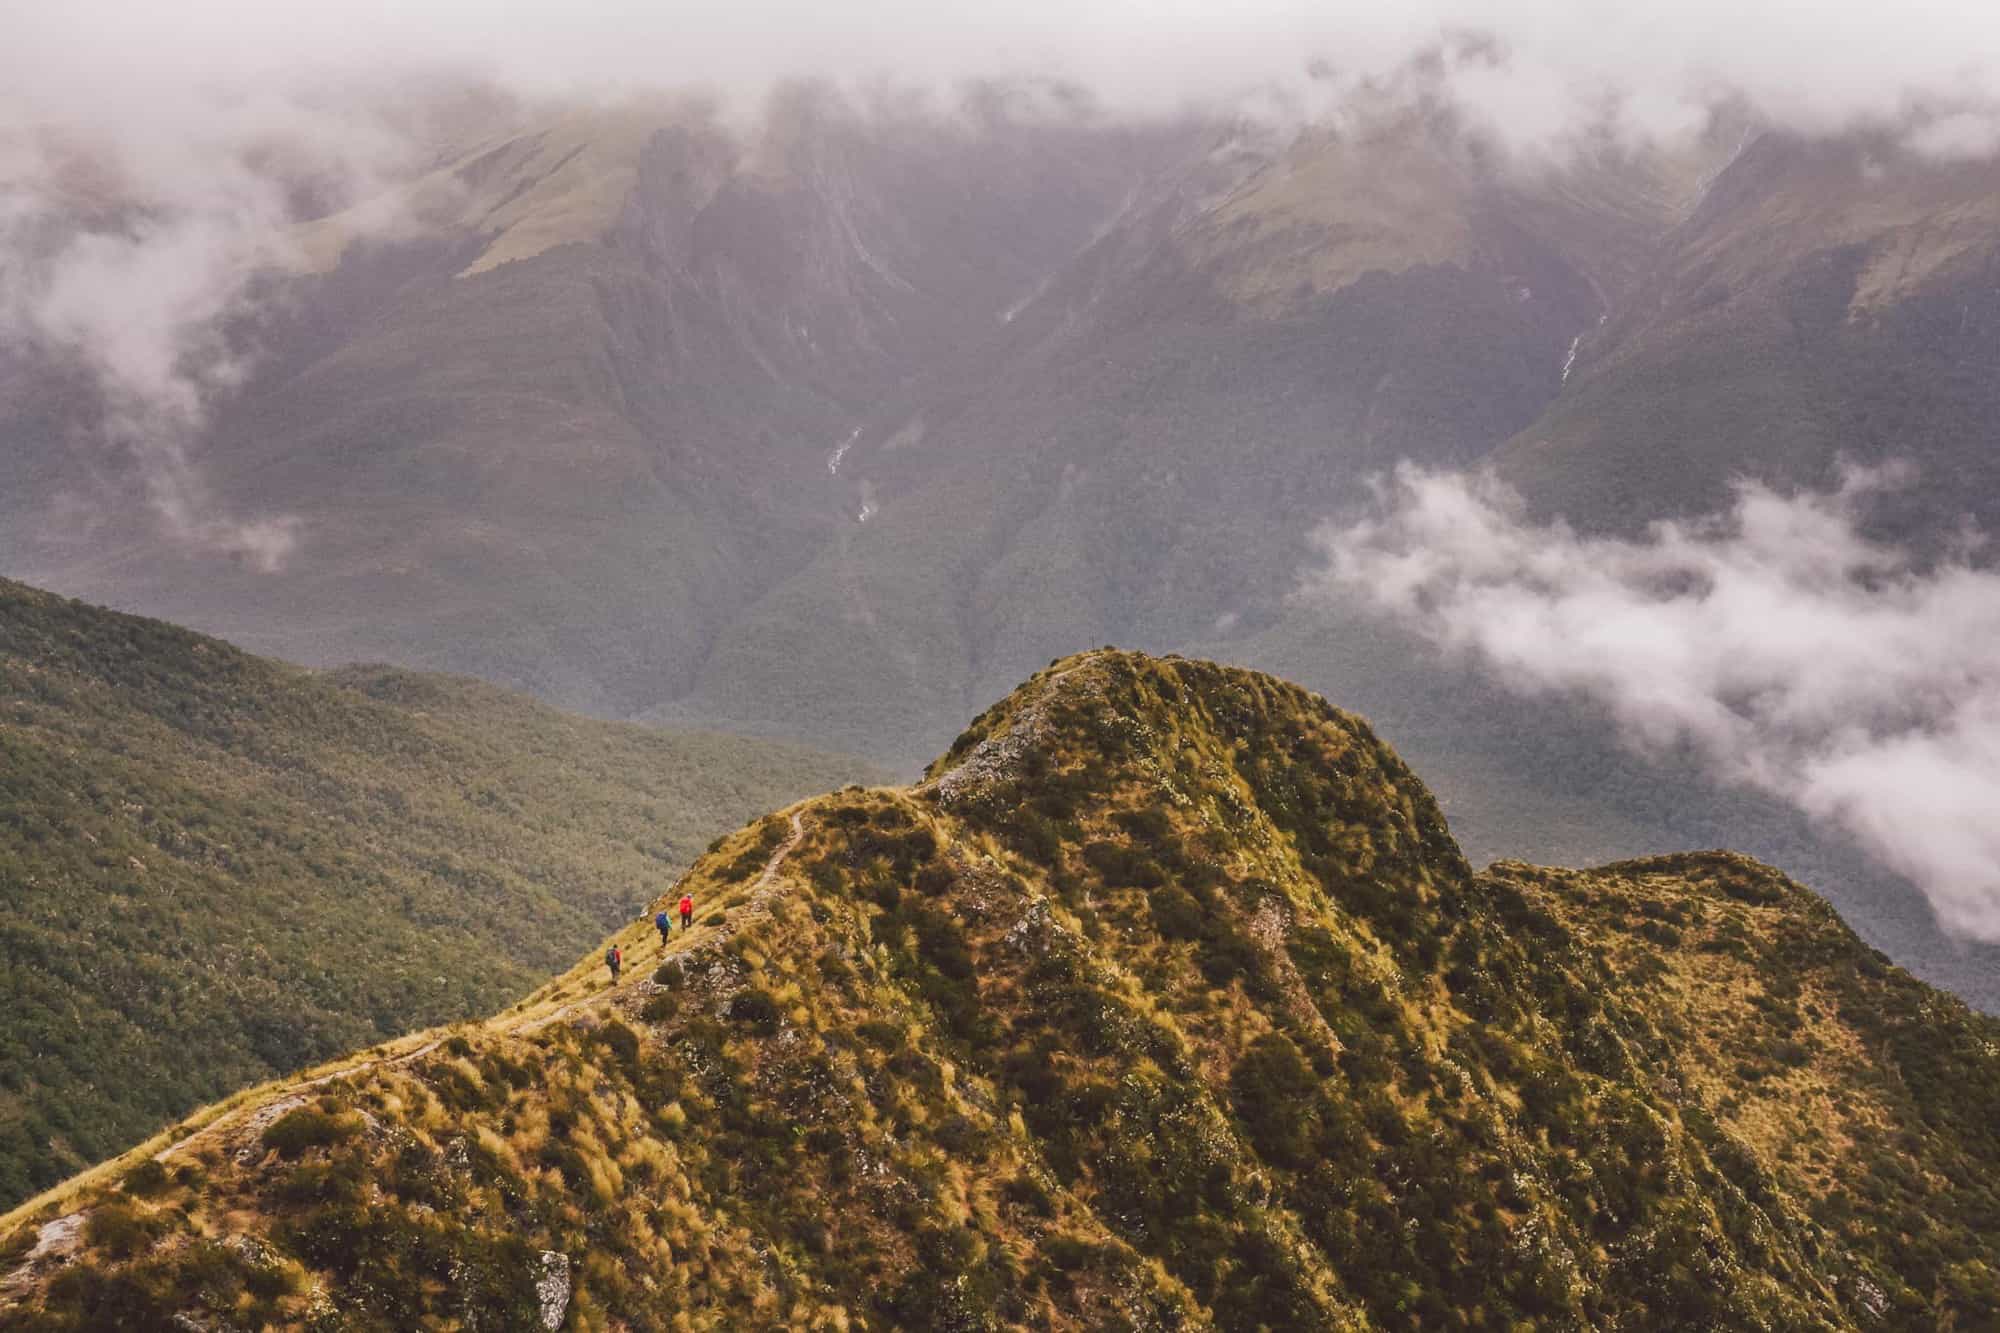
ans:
(660, 918)
(611, 955)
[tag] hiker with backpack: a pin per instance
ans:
(614, 958)
(664, 924)
(687, 913)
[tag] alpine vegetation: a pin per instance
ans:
(215, 868)
(1165, 1000)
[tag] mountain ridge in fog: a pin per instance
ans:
(1088, 381)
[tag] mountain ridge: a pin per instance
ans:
(1085, 383)
(1165, 1000)
(198, 845)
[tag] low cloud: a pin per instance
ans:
(1779, 641)
(130, 249)
(139, 306)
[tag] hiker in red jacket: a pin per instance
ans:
(687, 913)
(614, 958)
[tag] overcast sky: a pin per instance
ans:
(1814, 64)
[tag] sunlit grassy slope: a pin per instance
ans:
(1166, 1001)
(215, 868)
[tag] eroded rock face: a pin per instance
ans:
(552, 1288)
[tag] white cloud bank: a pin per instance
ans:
(1792, 651)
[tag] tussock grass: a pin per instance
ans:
(1188, 1014)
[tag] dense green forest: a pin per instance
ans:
(215, 868)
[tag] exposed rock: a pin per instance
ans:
(552, 1288)
(54, 1244)
(58, 1239)
(262, 1119)
(998, 756)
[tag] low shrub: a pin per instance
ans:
(1027, 1192)
(621, 1041)
(1276, 1092)
(146, 1179)
(881, 1035)
(1121, 867)
(755, 1010)
(1176, 913)
(307, 1127)
(1069, 1253)
(119, 1230)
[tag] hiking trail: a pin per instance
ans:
(61, 1236)
(758, 887)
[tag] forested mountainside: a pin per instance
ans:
(1166, 1000)
(829, 423)
(216, 868)
(1832, 302)
(649, 401)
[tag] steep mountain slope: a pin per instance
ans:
(1213, 377)
(1141, 455)
(1166, 1001)
(648, 392)
(215, 868)
(1552, 778)
(1831, 301)
(559, 437)
(830, 427)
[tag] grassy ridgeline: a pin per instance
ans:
(1167, 1003)
(214, 867)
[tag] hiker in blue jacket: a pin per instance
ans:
(664, 924)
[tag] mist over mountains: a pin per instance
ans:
(621, 364)
(1797, 655)
(1602, 404)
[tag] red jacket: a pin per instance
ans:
(687, 907)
